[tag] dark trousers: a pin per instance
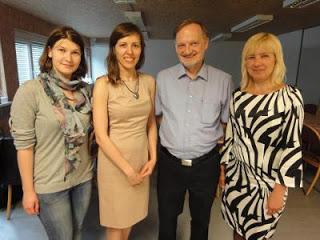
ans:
(174, 180)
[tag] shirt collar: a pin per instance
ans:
(202, 74)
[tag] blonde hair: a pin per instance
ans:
(271, 43)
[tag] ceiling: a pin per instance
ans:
(97, 18)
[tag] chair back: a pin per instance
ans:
(8, 162)
(310, 139)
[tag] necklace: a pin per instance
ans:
(70, 99)
(134, 92)
(69, 96)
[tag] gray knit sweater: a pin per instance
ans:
(34, 124)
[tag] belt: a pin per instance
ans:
(188, 162)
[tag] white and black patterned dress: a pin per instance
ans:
(262, 147)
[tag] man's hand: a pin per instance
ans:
(222, 177)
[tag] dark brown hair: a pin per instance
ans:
(189, 22)
(121, 31)
(57, 34)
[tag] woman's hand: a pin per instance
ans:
(30, 203)
(222, 177)
(148, 168)
(275, 200)
(134, 178)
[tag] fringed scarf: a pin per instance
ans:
(73, 130)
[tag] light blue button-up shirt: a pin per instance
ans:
(192, 110)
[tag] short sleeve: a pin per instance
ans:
(225, 107)
(290, 164)
(23, 115)
(228, 139)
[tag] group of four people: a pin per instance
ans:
(51, 118)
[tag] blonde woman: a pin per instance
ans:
(262, 153)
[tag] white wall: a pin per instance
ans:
(309, 75)
(291, 45)
(308, 80)
(98, 56)
(160, 54)
(227, 57)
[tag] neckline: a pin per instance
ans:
(133, 79)
(278, 90)
(134, 92)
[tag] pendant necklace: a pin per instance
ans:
(72, 98)
(134, 92)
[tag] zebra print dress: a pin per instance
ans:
(262, 147)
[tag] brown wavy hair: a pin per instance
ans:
(57, 34)
(121, 31)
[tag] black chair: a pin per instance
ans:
(9, 172)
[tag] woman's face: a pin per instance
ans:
(66, 57)
(128, 51)
(260, 65)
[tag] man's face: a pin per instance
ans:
(191, 45)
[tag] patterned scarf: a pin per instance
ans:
(73, 130)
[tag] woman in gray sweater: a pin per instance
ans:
(50, 121)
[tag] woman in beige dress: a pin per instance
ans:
(124, 121)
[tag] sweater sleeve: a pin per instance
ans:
(23, 116)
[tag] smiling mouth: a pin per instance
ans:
(188, 57)
(129, 59)
(258, 70)
(67, 65)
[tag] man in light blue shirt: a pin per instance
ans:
(192, 102)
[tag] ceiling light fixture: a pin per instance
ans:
(298, 3)
(124, 1)
(221, 37)
(135, 18)
(252, 23)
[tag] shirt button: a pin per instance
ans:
(189, 111)
(190, 96)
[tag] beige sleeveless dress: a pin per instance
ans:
(122, 205)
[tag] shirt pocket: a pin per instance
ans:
(210, 112)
